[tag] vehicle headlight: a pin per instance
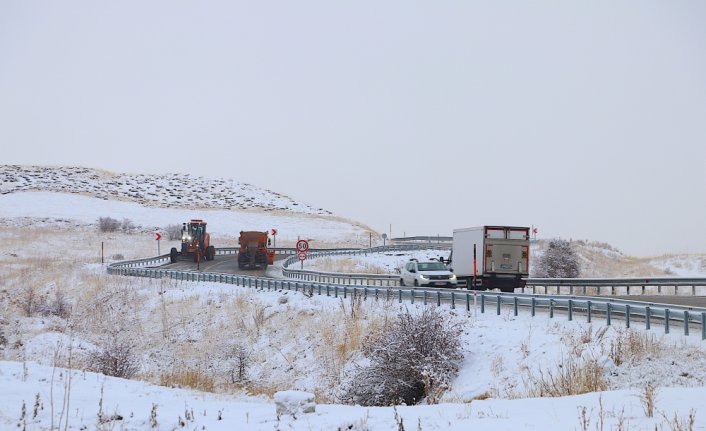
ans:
(452, 277)
(424, 276)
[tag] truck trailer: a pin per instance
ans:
(490, 257)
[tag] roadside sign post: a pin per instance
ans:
(274, 238)
(302, 247)
(158, 237)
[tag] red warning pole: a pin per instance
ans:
(475, 267)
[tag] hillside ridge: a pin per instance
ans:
(167, 191)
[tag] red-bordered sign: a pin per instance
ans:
(301, 255)
(274, 232)
(302, 245)
(157, 236)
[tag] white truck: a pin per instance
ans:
(489, 257)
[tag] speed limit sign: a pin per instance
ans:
(302, 245)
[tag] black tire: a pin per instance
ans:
(212, 252)
(173, 255)
(401, 281)
(416, 283)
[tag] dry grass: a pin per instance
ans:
(348, 265)
(571, 376)
(630, 346)
(194, 379)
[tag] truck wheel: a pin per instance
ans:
(173, 254)
(416, 283)
(401, 281)
(212, 252)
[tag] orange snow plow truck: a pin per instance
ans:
(253, 253)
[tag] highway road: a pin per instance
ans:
(226, 264)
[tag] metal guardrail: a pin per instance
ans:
(558, 286)
(618, 286)
(591, 308)
(342, 278)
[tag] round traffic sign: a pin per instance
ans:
(302, 245)
(301, 255)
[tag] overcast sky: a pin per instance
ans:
(585, 119)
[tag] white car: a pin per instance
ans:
(432, 273)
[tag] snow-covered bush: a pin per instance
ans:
(558, 261)
(414, 359)
(115, 359)
(108, 224)
(173, 232)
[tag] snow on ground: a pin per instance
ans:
(87, 210)
(504, 355)
(499, 351)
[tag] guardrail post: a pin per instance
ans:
(515, 304)
(482, 303)
(627, 315)
(425, 297)
(686, 322)
(608, 308)
(666, 320)
(468, 302)
(571, 310)
(365, 293)
(551, 308)
(703, 326)
(453, 301)
(345, 292)
(498, 304)
(376, 294)
(588, 311)
(534, 306)
(399, 291)
(438, 298)
(647, 317)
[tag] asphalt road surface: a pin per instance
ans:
(225, 264)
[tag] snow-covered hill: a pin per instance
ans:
(172, 190)
(77, 197)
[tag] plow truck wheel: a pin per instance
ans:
(211, 252)
(173, 254)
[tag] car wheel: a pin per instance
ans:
(401, 281)
(416, 283)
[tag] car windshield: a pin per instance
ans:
(431, 266)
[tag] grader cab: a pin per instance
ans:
(195, 243)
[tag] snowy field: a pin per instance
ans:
(187, 336)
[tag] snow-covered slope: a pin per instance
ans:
(172, 190)
(78, 197)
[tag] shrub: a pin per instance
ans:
(412, 360)
(173, 232)
(108, 224)
(115, 359)
(127, 225)
(558, 261)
